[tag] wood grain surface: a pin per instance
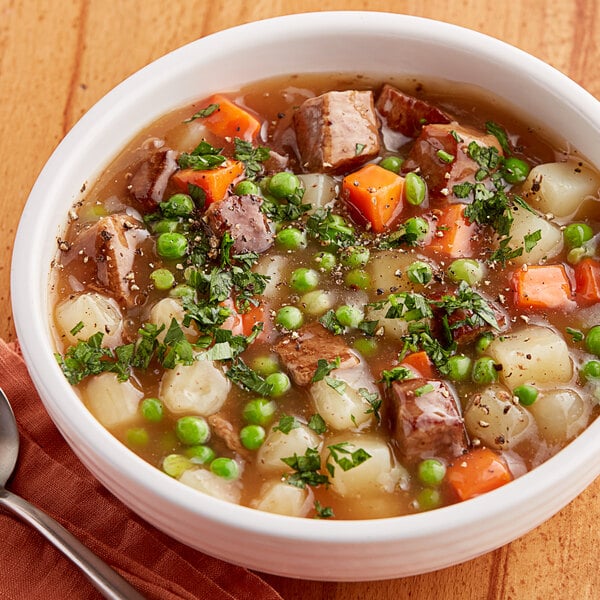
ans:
(58, 57)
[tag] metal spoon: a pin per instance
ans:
(108, 582)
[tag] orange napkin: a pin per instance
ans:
(51, 477)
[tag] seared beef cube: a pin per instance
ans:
(440, 155)
(424, 419)
(276, 162)
(407, 114)
(463, 332)
(300, 352)
(337, 131)
(241, 216)
(223, 429)
(149, 182)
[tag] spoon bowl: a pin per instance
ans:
(108, 582)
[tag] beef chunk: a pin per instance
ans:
(442, 175)
(424, 419)
(222, 428)
(406, 114)
(149, 182)
(463, 332)
(276, 162)
(241, 216)
(337, 131)
(301, 354)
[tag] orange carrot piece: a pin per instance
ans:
(454, 233)
(214, 182)
(230, 120)
(542, 286)
(477, 472)
(257, 314)
(234, 321)
(421, 363)
(375, 195)
(587, 280)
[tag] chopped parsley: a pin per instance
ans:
(251, 157)
(306, 469)
(358, 149)
(424, 389)
(203, 113)
(445, 156)
(330, 229)
(500, 134)
(248, 379)
(504, 252)
(324, 368)
(374, 400)
(576, 334)
(204, 156)
(77, 328)
(84, 359)
(336, 384)
(317, 424)
(408, 306)
(330, 321)
(286, 424)
(532, 239)
(323, 512)
(396, 374)
(345, 458)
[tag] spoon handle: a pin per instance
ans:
(107, 581)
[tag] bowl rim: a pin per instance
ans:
(545, 481)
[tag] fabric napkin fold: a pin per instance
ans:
(52, 478)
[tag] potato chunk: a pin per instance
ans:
(560, 187)
(561, 414)
(213, 485)
(280, 445)
(284, 499)
(167, 309)
(387, 269)
(199, 388)
(319, 190)
(535, 354)
(112, 402)
(496, 420)
(96, 312)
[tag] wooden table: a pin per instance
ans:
(58, 57)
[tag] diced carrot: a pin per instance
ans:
(234, 322)
(257, 314)
(542, 286)
(454, 233)
(587, 280)
(421, 363)
(477, 472)
(230, 120)
(214, 182)
(375, 195)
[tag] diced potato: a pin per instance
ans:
(496, 420)
(393, 328)
(378, 474)
(344, 407)
(560, 187)
(280, 445)
(213, 485)
(274, 268)
(96, 312)
(525, 223)
(387, 269)
(167, 309)
(186, 136)
(283, 499)
(535, 354)
(319, 190)
(112, 402)
(561, 414)
(199, 388)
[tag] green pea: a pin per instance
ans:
(592, 340)
(415, 189)
(171, 245)
(526, 394)
(325, 261)
(200, 455)
(419, 272)
(591, 370)
(265, 365)
(416, 228)
(163, 279)
(280, 384)
(178, 205)
(137, 436)
(284, 184)
(484, 370)
(289, 317)
(192, 430)
(515, 170)
(304, 280)
(466, 269)
(428, 499)
(366, 346)
(252, 436)
(391, 163)
(182, 291)
(349, 316)
(176, 465)
(264, 184)
(316, 302)
(431, 471)
(246, 188)
(226, 468)
(459, 367)
(357, 279)
(483, 342)
(259, 411)
(576, 234)
(152, 409)
(291, 238)
(355, 257)
(165, 226)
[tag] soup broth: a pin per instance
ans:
(337, 297)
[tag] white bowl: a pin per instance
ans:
(375, 43)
